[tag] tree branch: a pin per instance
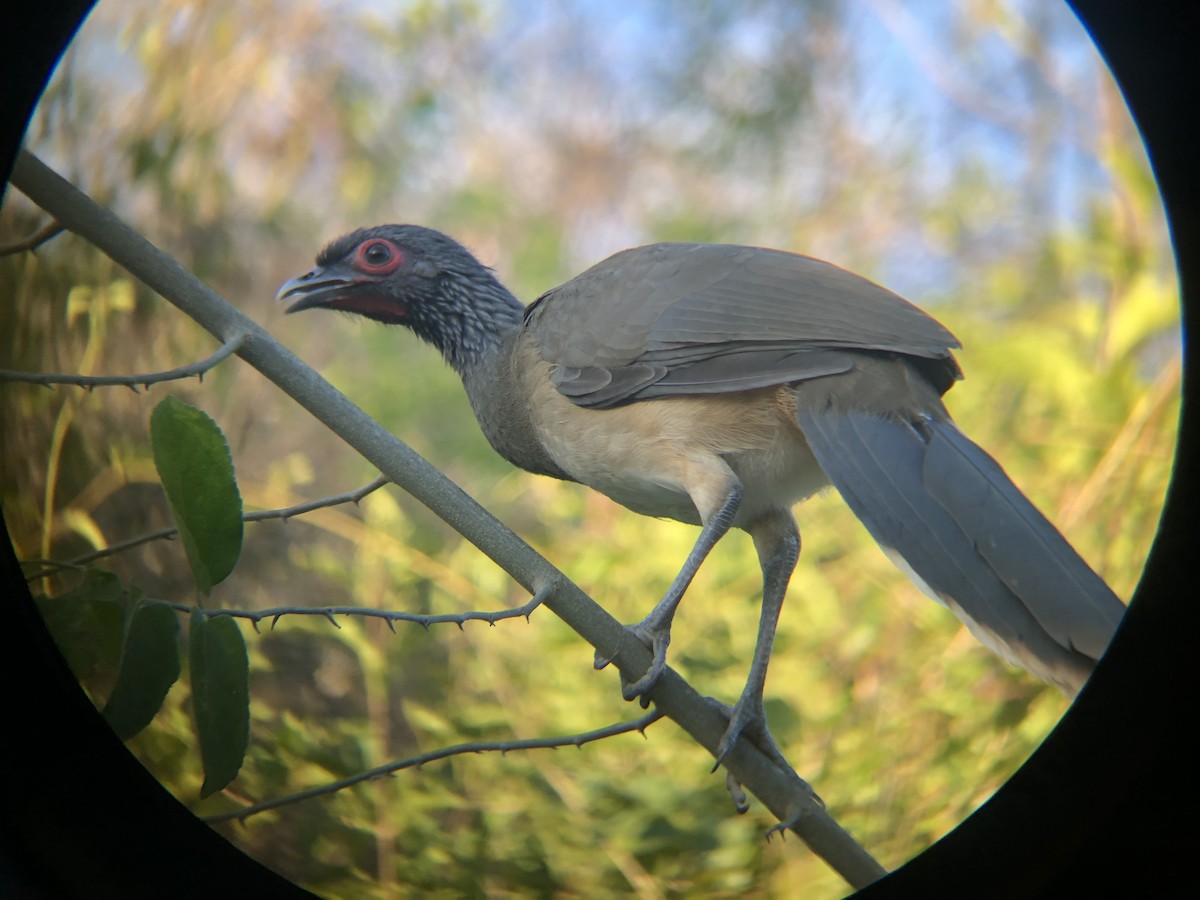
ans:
(575, 740)
(787, 795)
(31, 243)
(197, 369)
(275, 613)
(287, 512)
(354, 496)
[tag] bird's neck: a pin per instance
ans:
(478, 319)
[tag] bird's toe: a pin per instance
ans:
(741, 803)
(750, 720)
(656, 641)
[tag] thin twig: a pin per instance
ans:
(287, 512)
(54, 566)
(275, 613)
(30, 244)
(161, 534)
(574, 740)
(145, 379)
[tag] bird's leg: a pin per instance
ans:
(655, 630)
(777, 541)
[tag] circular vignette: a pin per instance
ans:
(1102, 803)
(82, 817)
(1098, 805)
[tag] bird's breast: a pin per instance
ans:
(657, 456)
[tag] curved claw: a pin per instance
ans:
(796, 816)
(658, 641)
(786, 825)
(725, 747)
(748, 719)
(741, 802)
(782, 828)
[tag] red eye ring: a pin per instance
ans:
(378, 256)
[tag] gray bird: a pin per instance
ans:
(719, 385)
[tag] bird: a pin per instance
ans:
(720, 385)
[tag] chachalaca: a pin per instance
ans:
(719, 385)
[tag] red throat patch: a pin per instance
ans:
(373, 306)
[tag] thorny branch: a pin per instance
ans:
(278, 612)
(575, 740)
(275, 613)
(196, 369)
(287, 512)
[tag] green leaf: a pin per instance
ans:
(87, 623)
(196, 469)
(220, 697)
(149, 666)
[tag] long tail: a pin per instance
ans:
(946, 513)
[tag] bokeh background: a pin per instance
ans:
(975, 157)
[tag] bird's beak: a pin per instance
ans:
(320, 287)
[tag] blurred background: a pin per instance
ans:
(976, 158)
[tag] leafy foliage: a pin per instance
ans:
(87, 623)
(149, 666)
(220, 697)
(193, 461)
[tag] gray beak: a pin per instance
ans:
(316, 288)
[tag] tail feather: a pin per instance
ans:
(946, 512)
(1037, 564)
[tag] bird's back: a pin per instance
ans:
(679, 319)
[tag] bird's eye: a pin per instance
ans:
(378, 256)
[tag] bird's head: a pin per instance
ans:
(385, 273)
(412, 276)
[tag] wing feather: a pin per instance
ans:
(674, 319)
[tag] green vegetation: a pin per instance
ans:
(240, 136)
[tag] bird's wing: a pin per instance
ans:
(674, 319)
